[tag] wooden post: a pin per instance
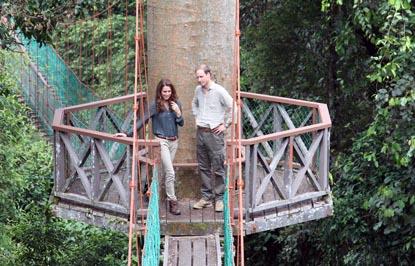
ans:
(248, 180)
(59, 160)
(96, 178)
(324, 159)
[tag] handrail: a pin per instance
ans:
(321, 107)
(101, 103)
(60, 113)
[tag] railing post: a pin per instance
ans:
(288, 172)
(254, 176)
(324, 159)
(277, 126)
(248, 181)
(314, 135)
(96, 178)
(59, 160)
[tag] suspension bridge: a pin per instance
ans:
(277, 158)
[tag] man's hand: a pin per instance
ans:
(219, 129)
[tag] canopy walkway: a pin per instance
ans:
(190, 250)
(284, 157)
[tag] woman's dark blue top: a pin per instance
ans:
(164, 122)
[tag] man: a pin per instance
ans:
(212, 107)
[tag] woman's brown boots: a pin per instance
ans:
(174, 207)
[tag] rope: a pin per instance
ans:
(228, 240)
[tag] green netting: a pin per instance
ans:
(67, 86)
(47, 84)
(37, 95)
(151, 255)
(227, 228)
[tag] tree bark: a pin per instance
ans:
(181, 35)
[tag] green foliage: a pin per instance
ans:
(25, 164)
(52, 241)
(294, 50)
(29, 234)
(38, 19)
(370, 48)
(99, 54)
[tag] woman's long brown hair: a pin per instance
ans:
(159, 98)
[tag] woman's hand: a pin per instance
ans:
(119, 135)
(175, 108)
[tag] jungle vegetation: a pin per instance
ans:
(356, 56)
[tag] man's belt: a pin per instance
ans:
(204, 129)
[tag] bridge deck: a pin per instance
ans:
(192, 250)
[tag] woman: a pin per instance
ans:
(166, 115)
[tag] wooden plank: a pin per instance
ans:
(75, 160)
(254, 175)
(96, 104)
(322, 108)
(105, 136)
(199, 252)
(248, 179)
(285, 133)
(212, 252)
(265, 166)
(192, 250)
(308, 161)
(218, 254)
(86, 151)
(324, 113)
(269, 223)
(324, 159)
(277, 125)
(272, 167)
(315, 183)
(96, 176)
(279, 203)
(59, 160)
(115, 178)
(80, 200)
(185, 252)
(58, 116)
(277, 99)
(84, 215)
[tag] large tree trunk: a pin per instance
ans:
(181, 35)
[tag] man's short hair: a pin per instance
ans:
(205, 69)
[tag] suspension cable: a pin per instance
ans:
(134, 157)
(138, 85)
(240, 248)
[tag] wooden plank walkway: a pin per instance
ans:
(192, 251)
